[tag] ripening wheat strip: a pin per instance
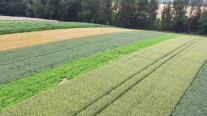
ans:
(157, 94)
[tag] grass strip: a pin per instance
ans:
(24, 88)
(108, 99)
(158, 93)
(81, 90)
(22, 62)
(8, 27)
(194, 101)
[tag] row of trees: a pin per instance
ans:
(138, 14)
(174, 17)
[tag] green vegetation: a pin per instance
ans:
(184, 18)
(77, 94)
(203, 24)
(8, 27)
(16, 91)
(22, 62)
(161, 90)
(194, 101)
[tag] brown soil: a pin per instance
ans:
(63, 81)
(17, 40)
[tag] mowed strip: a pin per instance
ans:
(158, 93)
(11, 41)
(77, 94)
(22, 62)
(194, 102)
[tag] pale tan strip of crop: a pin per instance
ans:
(158, 94)
(17, 40)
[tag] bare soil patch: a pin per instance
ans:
(63, 81)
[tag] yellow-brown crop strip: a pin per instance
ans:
(77, 94)
(157, 94)
(17, 40)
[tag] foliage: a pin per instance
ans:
(38, 9)
(24, 88)
(105, 12)
(21, 62)
(69, 10)
(203, 24)
(180, 21)
(194, 15)
(166, 17)
(126, 13)
(8, 27)
(89, 11)
(140, 20)
(52, 9)
(152, 13)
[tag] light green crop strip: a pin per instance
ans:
(77, 94)
(157, 94)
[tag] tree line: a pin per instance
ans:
(136, 14)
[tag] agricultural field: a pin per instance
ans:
(139, 72)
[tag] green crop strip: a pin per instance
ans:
(194, 101)
(8, 27)
(22, 62)
(160, 91)
(21, 89)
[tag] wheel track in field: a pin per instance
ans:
(152, 67)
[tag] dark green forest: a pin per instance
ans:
(134, 14)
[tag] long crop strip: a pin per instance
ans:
(82, 94)
(158, 93)
(22, 62)
(194, 102)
